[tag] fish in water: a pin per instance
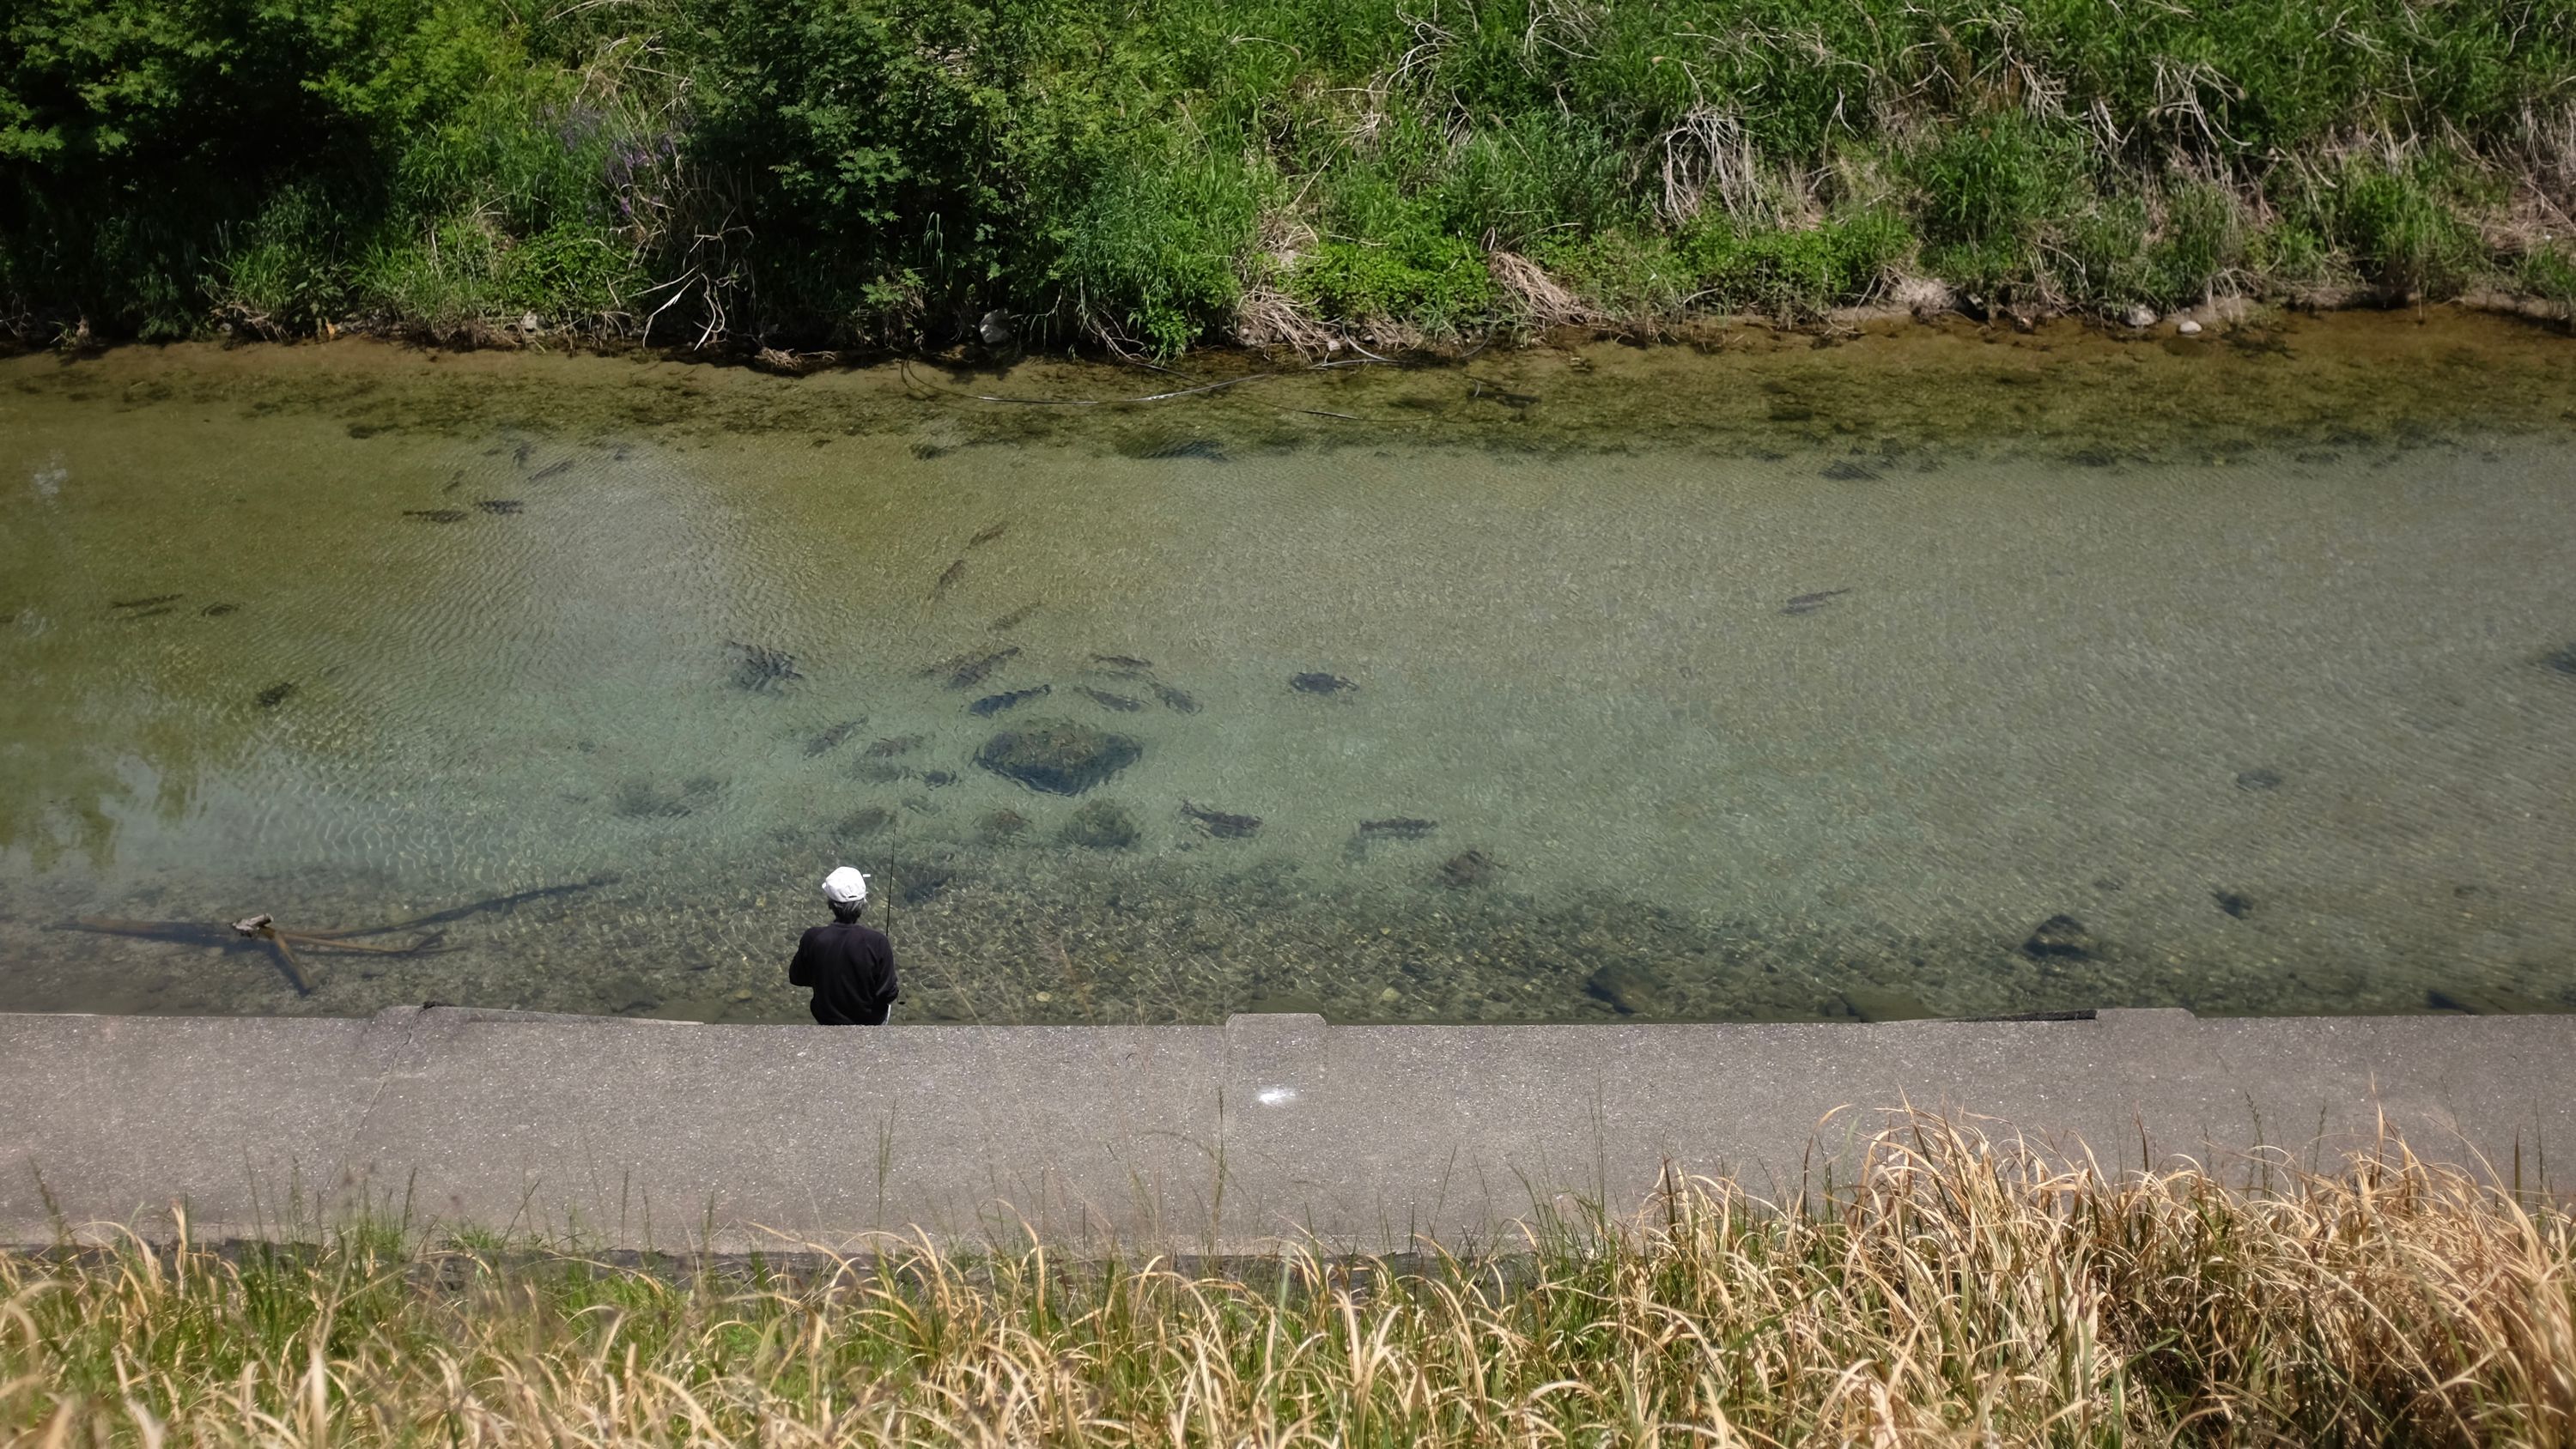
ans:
(947, 581)
(988, 533)
(762, 668)
(1176, 700)
(1399, 827)
(896, 745)
(274, 695)
(436, 515)
(1467, 869)
(830, 739)
(1013, 619)
(550, 470)
(1222, 824)
(149, 613)
(154, 602)
(217, 611)
(974, 671)
(1106, 700)
(499, 507)
(1810, 603)
(1122, 663)
(1317, 682)
(522, 453)
(993, 704)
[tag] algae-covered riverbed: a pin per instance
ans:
(1765, 678)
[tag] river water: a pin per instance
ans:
(1756, 680)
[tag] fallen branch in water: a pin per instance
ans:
(263, 929)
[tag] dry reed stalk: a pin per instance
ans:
(1535, 296)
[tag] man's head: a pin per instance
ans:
(846, 891)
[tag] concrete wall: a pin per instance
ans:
(637, 1134)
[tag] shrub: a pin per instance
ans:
(1416, 275)
(1793, 273)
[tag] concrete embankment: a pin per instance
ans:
(635, 1134)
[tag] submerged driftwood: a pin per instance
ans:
(262, 929)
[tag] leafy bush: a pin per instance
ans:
(1417, 275)
(1794, 273)
(885, 171)
(1157, 250)
(2393, 219)
(1990, 188)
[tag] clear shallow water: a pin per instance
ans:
(1767, 723)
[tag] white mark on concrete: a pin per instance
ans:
(1275, 1096)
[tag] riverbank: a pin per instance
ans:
(1148, 179)
(644, 1136)
(2250, 380)
(1953, 1290)
(1560, 1213)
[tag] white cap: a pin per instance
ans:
(845, 887)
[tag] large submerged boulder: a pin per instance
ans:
(1058, 756)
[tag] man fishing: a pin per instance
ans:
(848, 966)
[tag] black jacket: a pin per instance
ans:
(851, 970)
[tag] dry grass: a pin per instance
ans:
(1960, 1290)
(1533, 297)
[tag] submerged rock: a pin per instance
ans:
(1002, 825)
(1100, 825)
(1629, 989)
(2061, 938)
(1058, 756)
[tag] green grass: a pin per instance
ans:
(886, 172)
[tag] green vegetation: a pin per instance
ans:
(1151, 174)
(1959, 1292)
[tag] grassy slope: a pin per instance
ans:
(1958, 1292)
(1162, 172)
